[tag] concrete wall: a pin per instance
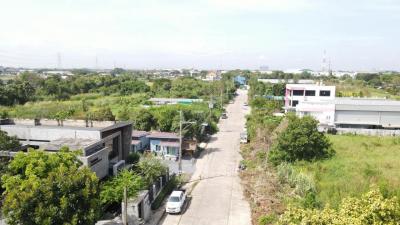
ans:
(49, 133)
(101, 167)
(372, 132)
(68, 122)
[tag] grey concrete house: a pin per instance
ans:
(104, 148)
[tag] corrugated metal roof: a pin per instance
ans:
(366, 104)
(165, 135)
(139, 133)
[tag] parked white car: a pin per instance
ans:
(243, 137)
(176, 202)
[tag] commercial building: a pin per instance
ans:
(296, 93)
(104, 148)
(353, 113)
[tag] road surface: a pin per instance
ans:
(217, 198)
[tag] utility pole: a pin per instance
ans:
(180, 142)
(222, 101)
(181, 122)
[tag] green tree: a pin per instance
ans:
(112, 191)
(142, 120)
(7, 142)
(150, 168)
(50, 189)
(301, 140)
(102, 114)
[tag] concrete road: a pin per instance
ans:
(217, 197)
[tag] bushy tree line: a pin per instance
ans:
(265, 89)
(166, 118)
(31, 87)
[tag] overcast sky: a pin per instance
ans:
(281, 34)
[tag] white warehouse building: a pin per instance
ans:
(355, 113)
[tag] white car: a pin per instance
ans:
(176, 201)
(243, 137)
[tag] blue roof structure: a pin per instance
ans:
(240, 80)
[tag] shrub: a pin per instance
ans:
(301, 140)
(371, 208)
(267, 219)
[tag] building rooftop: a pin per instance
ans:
(139, 133)
(53, 127)
(73, 144)
(166, 135)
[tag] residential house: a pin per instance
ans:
(165, 144)
(104, 148)
(140, 142)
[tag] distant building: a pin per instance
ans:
(212, 76)
(173, 101)
(241, 80)
(288, 81)
(104, 148)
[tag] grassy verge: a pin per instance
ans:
(360, 162)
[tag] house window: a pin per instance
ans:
(310, 93)
(324, 93)
(298, 92)
(158, 148)
(294, 103)
(171, 151)
(94, 161)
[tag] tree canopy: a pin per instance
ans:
(50, 189)
(301, 140)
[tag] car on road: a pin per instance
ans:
(176, 202)
(243, 137)
(224, 116)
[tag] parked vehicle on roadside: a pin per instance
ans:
(224, 116)
(243, 137)
(176, 202)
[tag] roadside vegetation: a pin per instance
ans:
(296, 175)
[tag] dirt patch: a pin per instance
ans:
(261, 187)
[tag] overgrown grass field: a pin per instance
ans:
(361, 162)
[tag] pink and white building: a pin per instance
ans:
(296, 93)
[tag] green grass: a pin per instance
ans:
(361, 162)
(46, 109)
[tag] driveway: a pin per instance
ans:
(217, 196)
